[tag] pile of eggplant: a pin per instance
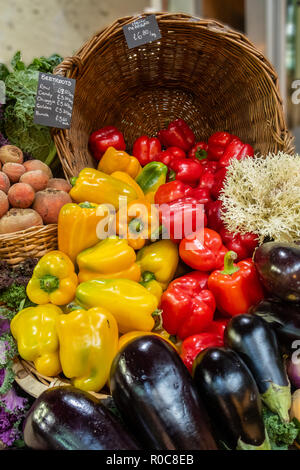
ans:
(160, 406)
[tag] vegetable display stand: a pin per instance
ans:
(34, 242)
(200, 70)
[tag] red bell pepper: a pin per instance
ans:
(242, 245)
(186, 170)
(194, 345)
(178, 134)
(104, 138)
(167, 157)
(237, 288)
(172, 191)
(236, 149)
(213, 211)
(218, 326)
(203, 250)
(199, 151)
(187, 306)
(182, 217)
(146, 149)
(217, 144)
(219, 178)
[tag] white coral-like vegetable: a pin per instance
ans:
(262, 195)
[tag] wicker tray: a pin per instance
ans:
(34, 242)
(200, 70)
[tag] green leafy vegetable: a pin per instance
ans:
(15, 297)
(281, 435)
(21, 87)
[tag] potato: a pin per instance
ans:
(21, 195)
(4, 182)
(60, 184)
(32, 165)
(48, 204)
(10, 153)
(37, 179)
(19, 219)
(4, 205)
(14, 171)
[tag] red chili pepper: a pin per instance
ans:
(194, 345)
(167, 157)
(146, 149)
(188, 307)
(242, 245)
(203, 250)
(182, 217)
(213, 211)
(172, 191)
(236, 149)
(199, 151)
(185, 170)
(178, 134)
(237, 287)
(104, 138)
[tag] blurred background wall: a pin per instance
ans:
(42, 27)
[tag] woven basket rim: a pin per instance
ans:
(29, 379)
(29, 231)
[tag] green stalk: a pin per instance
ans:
(229, 266)
(278, 399)
(49, 283)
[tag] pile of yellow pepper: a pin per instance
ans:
(91, 295)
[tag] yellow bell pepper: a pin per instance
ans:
(122, 176)
(158, 261)
(125, 339)
(98, 187)
(88, 343)
(53, 281)
(34, 329)
(110, 258)
(151, 284)
(77, 227)
(133, 306)
(137, 222)
(114, 160)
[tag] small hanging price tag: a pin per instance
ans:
(142, 31)
(54, 101)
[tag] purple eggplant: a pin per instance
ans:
(157, 398)
(278, 266)
(283, 318)
(231, 398)
(65, 418)
(256, 343)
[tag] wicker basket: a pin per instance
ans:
(34, 383)
(200, 70)
(34, 242)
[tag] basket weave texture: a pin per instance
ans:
(34, 242)
(200, 70)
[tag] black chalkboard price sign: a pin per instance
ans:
(54, 101)
(142, 31)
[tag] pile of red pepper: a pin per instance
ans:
(197, 307)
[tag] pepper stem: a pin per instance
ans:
(49, 283)
(171, 175)
(201, 154)
(157, 315)
(86, 205)
(136, 225)
(73, 180)
(229, 266)
(148, 276)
